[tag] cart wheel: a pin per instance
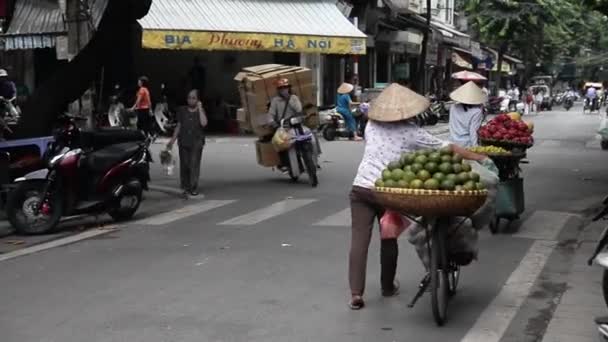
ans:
(495, 225)
(454, 278)
(439, 273)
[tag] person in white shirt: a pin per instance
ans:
(391, 131)
(466, 115)
(538, 100)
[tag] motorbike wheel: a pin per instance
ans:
(604, 144)
(127, 204)
(329, 133)
(311, 168)
(22, 203)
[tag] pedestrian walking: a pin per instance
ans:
(391, 131)
(466, 115)
(538, 100)
(190, 137)
(143, 106)
(528, 101)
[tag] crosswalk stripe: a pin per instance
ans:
(184, 212)
(544, 225)
(269, 212)
(496, 318)
(339, 219)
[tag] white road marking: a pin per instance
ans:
(56, 243)
(496, 318)
(543, 225)
(551, 143)
(187, 211)
(267, 213)
(339, 219)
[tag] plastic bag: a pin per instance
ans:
(166, 160)
(392, 225)
(603, 131)
(282, 139)
(488, 172)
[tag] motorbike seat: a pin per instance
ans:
(104, 137)
(103, 159)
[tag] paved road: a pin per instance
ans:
(261, 259)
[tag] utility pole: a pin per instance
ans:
(425, 42)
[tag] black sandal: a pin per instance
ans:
(356, 303)
(393, 292)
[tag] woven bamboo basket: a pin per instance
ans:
(431, 203)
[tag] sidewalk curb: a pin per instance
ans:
(165, 189)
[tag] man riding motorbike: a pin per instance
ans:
(591, 97)
(284, 105)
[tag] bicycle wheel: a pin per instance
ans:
(439, 273)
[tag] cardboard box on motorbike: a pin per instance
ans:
(257, 86)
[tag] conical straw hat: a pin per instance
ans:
(397, 103)
(469, 94)
(345, 88)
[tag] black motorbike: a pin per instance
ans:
(303, 152)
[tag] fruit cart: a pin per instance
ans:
(510, 199)
(439, 198)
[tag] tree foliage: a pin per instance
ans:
(540, 31)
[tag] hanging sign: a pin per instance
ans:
(199, 40)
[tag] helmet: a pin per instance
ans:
(3, 73)
(282, 83)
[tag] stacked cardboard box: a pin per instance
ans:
(257, 86)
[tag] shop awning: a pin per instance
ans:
(459, 60)
(313, 26)
(38, 23)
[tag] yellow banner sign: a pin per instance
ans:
(198, 40)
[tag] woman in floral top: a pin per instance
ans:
(389, 133)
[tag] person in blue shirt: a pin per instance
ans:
(343, 107)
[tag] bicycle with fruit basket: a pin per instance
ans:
(506, 139)
(424, 187)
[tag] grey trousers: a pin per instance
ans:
(190, 166)
(364, 213)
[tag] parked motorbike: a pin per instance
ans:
(303, 152)
(82, 176)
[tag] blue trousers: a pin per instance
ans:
(349, 119)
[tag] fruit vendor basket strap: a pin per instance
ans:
(431, 203)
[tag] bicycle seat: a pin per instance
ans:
(109, 136)
(102, 160)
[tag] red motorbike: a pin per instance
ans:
(86, 172)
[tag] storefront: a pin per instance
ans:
(36, 40)
(229, 35)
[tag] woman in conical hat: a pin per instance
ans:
(344, 107)
(466, 115)
(391, 131)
